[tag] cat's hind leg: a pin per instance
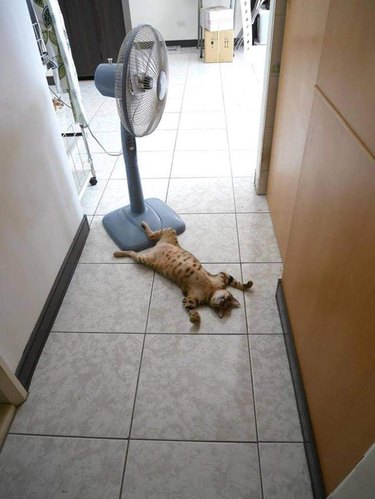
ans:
(231, 281)
(190, 304)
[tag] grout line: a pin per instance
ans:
(225, 213)
(254, 408)
(178, 128)
(181, 177)
(52, 435)
(101, 196)
(221, 151)
(204, 213)
(281, 441)
(136, 387)
(233, 190)
(244, 299)
(202, 262)
(187, 333)
(207, 177)
(188, 129)
(231, 149)
(188, 440)
(146, 439)
(254, 401)
(113, 168)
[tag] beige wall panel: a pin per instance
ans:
(329, 282)
(304, 31)
(347, 68)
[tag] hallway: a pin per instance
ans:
(129, 399)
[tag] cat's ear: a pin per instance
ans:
(220, 312)
(235, 302)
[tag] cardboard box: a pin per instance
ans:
(216, 18)
(218, 46)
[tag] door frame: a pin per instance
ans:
(276, 25)
(12, 394)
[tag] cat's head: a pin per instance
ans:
(222, 300)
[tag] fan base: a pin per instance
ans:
(124, 227)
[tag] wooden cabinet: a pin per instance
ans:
(96, 30)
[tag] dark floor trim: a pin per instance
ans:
(185, 43)
(72, 134)
(47, 317)
(181, 43)
(303, 411)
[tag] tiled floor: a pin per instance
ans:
(130, 400)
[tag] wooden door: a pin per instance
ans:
(96, 30)
(302, 44)
(329, 245)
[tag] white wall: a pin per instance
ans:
(175, 19)
(39, 208)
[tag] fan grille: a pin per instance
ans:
(141, 61)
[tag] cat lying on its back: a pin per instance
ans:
(198, 286)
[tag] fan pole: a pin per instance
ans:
(129, 149)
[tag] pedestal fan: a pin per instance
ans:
(139, 82)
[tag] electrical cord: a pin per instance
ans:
(89, 129)
(100, 145)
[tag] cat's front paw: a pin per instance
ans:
(194, 317)
(121, 254)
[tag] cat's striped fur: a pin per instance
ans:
(198, 286)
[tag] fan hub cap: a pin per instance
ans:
(162, 85)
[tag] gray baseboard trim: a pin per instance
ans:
(38, 338)
(312, 458)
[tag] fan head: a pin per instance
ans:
(141, 80)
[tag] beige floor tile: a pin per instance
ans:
(257, 238)
(100, 298)
(211, 237)
(201, 164)
(195, 387)
(202, 195)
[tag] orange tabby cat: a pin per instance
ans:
(198, 286)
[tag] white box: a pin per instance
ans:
(216, 18)
(263, 22)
